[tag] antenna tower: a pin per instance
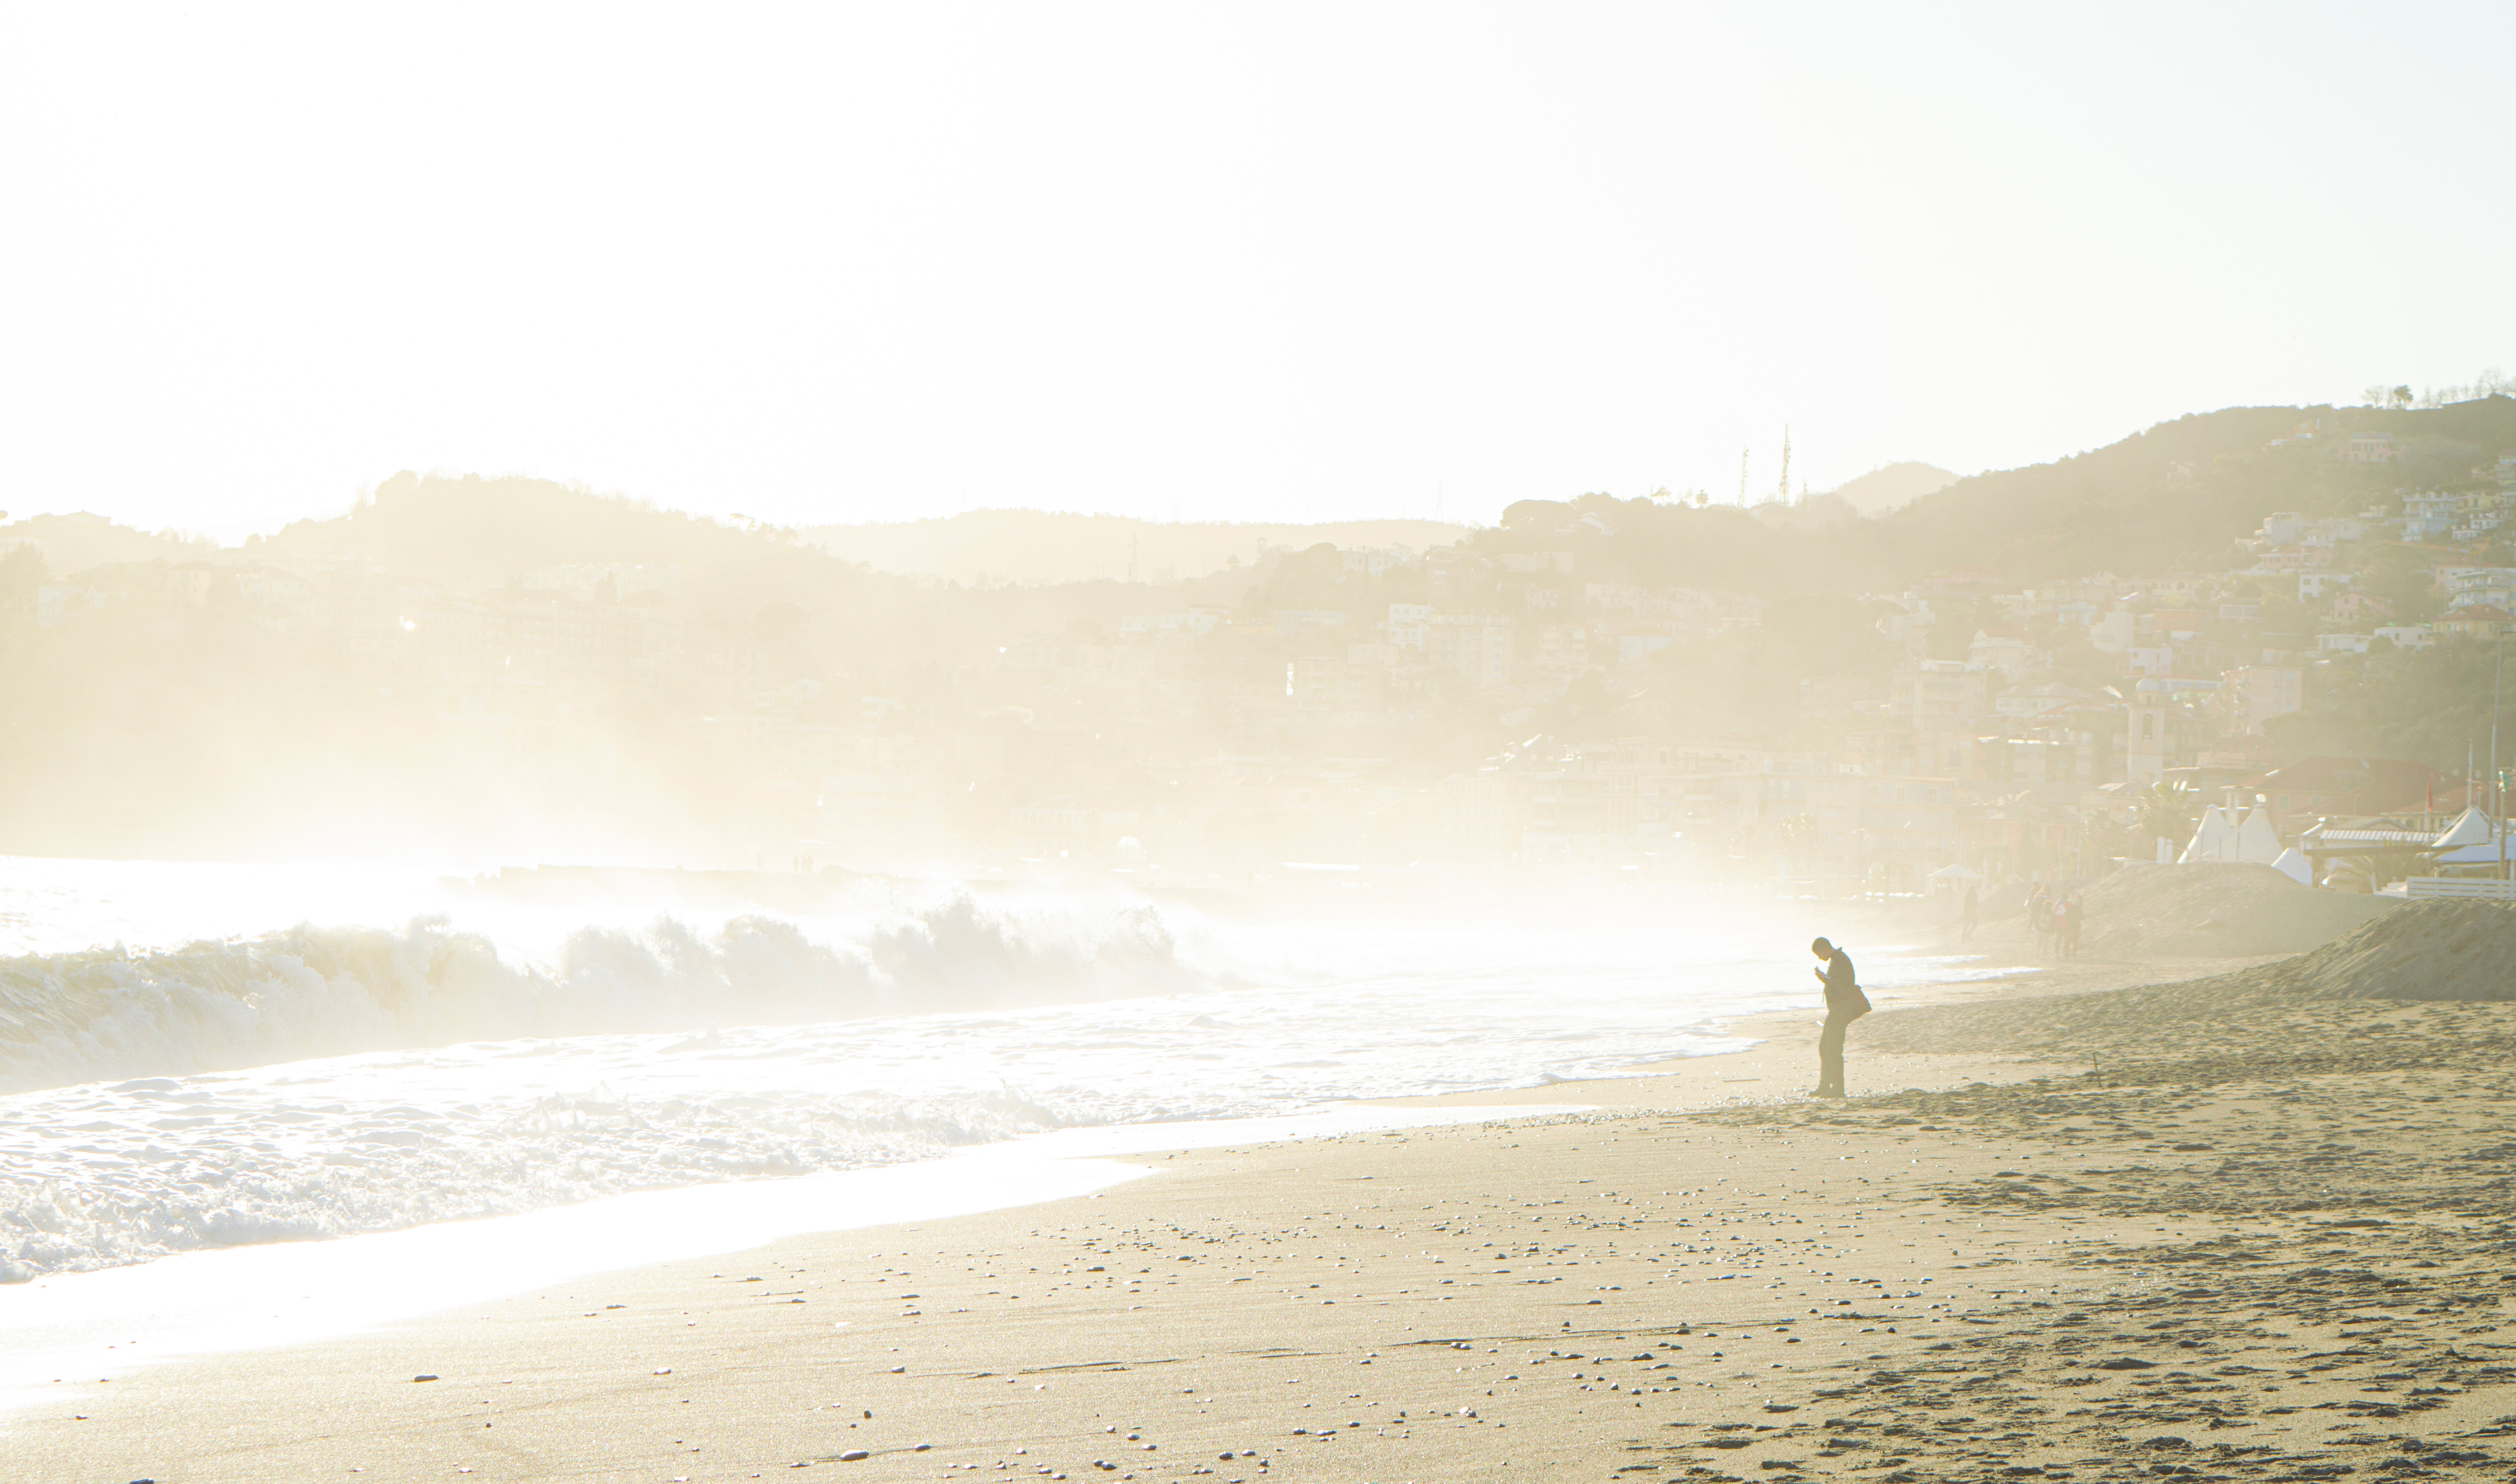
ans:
(1783, 490)
(1742, 478)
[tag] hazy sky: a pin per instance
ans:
(1278, 262)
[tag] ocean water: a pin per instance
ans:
(202, 1057)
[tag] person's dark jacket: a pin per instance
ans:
(1844, 999)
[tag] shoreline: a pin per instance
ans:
(53, 1316)
(1769, 1037)
(2196, 1242)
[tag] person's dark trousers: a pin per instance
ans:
(1829, 1056)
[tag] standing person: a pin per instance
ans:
(1968, 914)
(1844, 1003)
(2069, 934)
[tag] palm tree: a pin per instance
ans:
(2164, 811)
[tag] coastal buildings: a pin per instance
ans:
(1551, 694)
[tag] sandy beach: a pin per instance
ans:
(2181, 1238)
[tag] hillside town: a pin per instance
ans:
(1528, 695)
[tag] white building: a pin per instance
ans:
(1193, 624)
(2004, 653)
(1477, 645)
(1373, 560)
(2482, 587)
(583, 580)
(2428, 513)
(2253, 694)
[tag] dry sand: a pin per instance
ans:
(2233, 1250)
(2189, 911)
(2161, 913)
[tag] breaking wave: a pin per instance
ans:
(314, 992)
(323, 1082)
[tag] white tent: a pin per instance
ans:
(2470, 827)
(2293, 866)
(2220, 838)
(2213, 839)
(2258, 839)
(1954, 878)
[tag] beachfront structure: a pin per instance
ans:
(2474, 858)
(2336, 787)
(2469, 857)
(2219, 838)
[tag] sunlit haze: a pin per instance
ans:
(1222, 743)
(819, 263)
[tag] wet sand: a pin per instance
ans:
(2180, 1246)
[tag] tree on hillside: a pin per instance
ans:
(2176, 496)
(2428, 705)
(2164, 811)
(2401, 576)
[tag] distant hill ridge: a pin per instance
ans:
(2178, 495)
(1891, 485)
(1030, 546)
(2174, 497)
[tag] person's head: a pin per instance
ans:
(1823, 949)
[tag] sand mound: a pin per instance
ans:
(2418, 951)
(2214, 911)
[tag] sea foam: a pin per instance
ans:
(310, 992)
(311, 1083)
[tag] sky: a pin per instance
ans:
(846, 263)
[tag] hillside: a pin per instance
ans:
(1891, 486)
(1026, 546)
(413, 684)
(2178, 495)
(73, 543)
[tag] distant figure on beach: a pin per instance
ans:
(1844, 1003)
(1968, 914)
(2068, 923)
